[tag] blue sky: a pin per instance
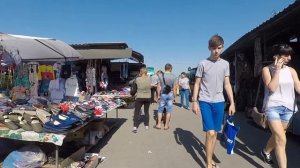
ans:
(164, 31)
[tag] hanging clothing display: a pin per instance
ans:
(33, 78)
(50, 72)
(57, 69)
(43, 88)
(6, 76)
(90, 78)
(71, 86)
(42, 68)
(57, 92)
(21, 77)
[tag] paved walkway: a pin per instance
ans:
(182, 145)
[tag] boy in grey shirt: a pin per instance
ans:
(212, 75)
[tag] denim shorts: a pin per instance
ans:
(212, 115)
(279, 113)
(166, 101)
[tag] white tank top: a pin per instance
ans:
(284, 95)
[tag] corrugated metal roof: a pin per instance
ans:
(138, 56)
(107, 51)
(295, 7)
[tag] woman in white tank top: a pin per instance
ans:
(280, 81)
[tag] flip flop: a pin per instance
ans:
(166, 128)
(134, 131)
(156, 127)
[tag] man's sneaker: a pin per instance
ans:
(188, 108)
(134, 130)
(267, 157)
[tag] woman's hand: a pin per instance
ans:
(278, 62)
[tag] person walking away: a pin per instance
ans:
(154, 83)
(167, 93)
(143, 97)
(281, 82)
(184, 90)
(211, 77)
(103, 83)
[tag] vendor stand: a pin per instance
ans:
(46, 137)
(114, 94)
(121, 64)
(18, 52)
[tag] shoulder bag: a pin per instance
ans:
(167, 88)
(133, 88)
(259, 118)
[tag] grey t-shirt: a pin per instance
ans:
(170, 80)
(213, 74)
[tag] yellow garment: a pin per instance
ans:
(42, 68)
(51, 70)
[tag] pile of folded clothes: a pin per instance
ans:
(62, 123)
(27, 117)
(39, 115)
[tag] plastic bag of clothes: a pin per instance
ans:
(29, 156)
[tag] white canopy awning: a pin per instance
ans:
(28, 48)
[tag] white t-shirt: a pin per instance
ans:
(57, 93)
(72, 86)
(154, 80)
(184, 83)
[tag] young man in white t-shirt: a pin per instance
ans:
(211, 77)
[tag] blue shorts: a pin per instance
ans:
(279, 113)
(166, 101)
(212, 115)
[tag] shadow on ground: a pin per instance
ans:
(177, 104)
(192, 145)
(252, 139)
(116, 124)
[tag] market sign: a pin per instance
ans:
(150, 71)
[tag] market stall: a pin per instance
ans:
(121, 63)
(40, 98)
(56, 138)
(108, 69)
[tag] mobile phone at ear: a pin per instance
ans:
(276, 56)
